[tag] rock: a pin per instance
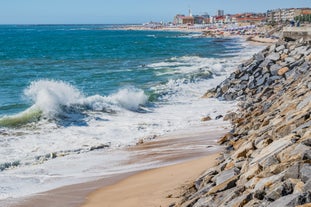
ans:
(240, 200)
(307, 142)
(307, 155)
(296, 63)
(292, 200)
(278, 190)
(259, 56)
(226, 175)
(224, 186)
(306, 101)
(274, 69)
(279, 48)
(292, 171)
(209, 94)
(262, 80)
(269, 161)
(265, 63)
(272, 149)
(303, 68)
(272, 48)
(207, 118)
(282, 71)
(268, 181)
(267, 156)
(225, 138)
(202, 191)
(274, 56)
(305, 172)
(251, 172)
(243, 150)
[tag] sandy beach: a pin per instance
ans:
(180, 157)
(157, 187)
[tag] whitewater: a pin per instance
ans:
(71, 105)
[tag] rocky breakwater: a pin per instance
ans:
(267, 157)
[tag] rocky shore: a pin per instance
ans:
(267, 157)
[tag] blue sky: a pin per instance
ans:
(125, 11)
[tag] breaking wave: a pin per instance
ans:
(53, 99)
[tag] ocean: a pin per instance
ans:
(71, 94)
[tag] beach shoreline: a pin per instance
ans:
(75, 195)
(156, 187)
(253, 36)
(174, 152)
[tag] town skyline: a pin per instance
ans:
(123, 12)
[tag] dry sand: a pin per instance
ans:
(152, 188)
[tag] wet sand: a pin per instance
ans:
(177, 158)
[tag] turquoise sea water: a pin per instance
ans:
(66, 90)
(94, 60)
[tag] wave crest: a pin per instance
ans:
(50, 95)
(58, 100)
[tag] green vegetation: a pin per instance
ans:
(303, 18)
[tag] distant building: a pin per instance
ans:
(220, 13)
(249, 18)
(178, 19)
(283, 15)
(189, 20)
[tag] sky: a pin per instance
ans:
(126, 11)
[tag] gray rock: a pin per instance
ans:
(259, 194)
(305, 172)
(307, 155)
(292, 171)
(204, 202)
(251, 67)
(272, 149)
(290, 60)
(279, 48)
(244, 77)
(278, 190)
(296, 63)
(271, 160)
(307, 186)
(308, 52)
(301, 50)
(265, 63)
(291, 200)
(226, 175)
(302, 127)
(274, 69)
(209, 173)
(304, 102)
(272, 179)
(303, 68)
(242, 199)
(307, 142)
(262, 80)
(202, 191)
(259, 56)
(274, 56)
(272, 79)
(272, 48)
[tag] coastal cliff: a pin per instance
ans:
(267, 157)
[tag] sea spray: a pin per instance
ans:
(50, 95)
(130, 98)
